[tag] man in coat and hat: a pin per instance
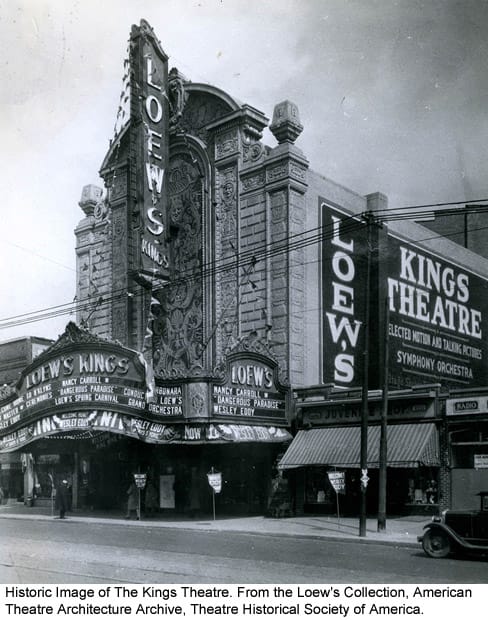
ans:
(62, 498)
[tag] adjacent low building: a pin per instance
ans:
(15, 355)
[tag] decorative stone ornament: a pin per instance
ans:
(286, 126)
(90, 197)
(177, 96)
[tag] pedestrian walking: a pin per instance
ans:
(132, 501)
(62, 498)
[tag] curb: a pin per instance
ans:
(203, 528)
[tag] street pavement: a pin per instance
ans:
(400, 531)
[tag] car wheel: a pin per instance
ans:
(436, 544)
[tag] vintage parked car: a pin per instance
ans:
(457, 531)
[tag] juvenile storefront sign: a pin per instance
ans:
(437, 319)
(250, 390)
(350, 411)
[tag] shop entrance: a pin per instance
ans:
(409, 491)
(99, 473)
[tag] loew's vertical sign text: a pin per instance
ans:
(150, 127)
(343, 277)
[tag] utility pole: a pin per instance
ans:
(364, 407)
(384, 429)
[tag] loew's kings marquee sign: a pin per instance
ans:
(250, 390)
(79, 372)
(83, 387)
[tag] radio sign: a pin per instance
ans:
(465, 406)
(150, 122)
(470, 405)
(251, 391)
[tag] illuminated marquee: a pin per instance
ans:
(89, 425)
(81, 373)
(150, 127)
(76, 379)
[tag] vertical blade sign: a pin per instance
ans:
(150, 143)
(343, 299)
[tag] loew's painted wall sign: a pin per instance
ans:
(436, 309)
(250, 390)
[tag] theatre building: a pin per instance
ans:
(223, 293)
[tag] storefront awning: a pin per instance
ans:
(409, 445)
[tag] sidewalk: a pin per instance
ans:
(400, 531)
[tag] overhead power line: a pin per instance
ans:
(349, 224)
(30, 251)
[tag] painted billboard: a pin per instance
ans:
(343, 295)
(436, 319)
(150, 137)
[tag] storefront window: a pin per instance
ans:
(318, 489)
(44, 474)
(423, 487)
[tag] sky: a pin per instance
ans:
(393, 97)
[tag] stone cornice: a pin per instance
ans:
(250, 120)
